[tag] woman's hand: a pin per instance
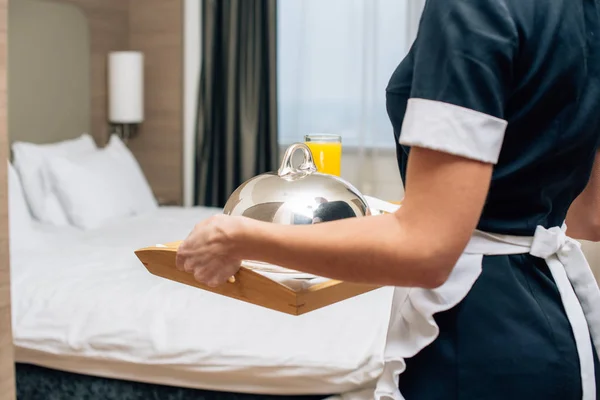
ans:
(207, 252)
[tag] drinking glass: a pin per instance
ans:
(326, 150)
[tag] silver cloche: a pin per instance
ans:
(297, 195)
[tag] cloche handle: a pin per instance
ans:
(306, 167)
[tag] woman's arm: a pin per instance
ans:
(583, 218)
(417, 246)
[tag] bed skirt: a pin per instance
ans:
(38, 383)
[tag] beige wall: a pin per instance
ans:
(49, 71)
(109, 31)
(7, 377)
(156, 28)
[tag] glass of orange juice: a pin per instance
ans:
(327, 152)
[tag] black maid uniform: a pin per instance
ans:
(515, 83)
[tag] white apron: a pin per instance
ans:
(412, 326)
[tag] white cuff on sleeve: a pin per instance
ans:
(452, 129)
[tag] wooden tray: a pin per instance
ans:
(252, 287)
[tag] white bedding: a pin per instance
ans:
(83, 302)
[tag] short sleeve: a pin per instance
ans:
(462, 75)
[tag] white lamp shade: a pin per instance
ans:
(126, 87)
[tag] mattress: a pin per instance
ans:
(82, 302)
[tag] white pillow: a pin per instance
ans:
(30, 161)
(21, 230)
(141, 194)
(100, 187)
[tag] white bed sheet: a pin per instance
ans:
(83, 302)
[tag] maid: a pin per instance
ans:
(496, 112)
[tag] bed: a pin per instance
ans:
(89, 321)
(83, 303)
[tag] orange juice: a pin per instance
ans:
(327, 153)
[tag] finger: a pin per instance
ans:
(199, 275)
(223, 276)
(188, 266)
(215, 282)
(179, 261)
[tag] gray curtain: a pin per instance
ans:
(237, 109)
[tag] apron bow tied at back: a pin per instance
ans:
(412, 325)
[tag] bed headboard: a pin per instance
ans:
(48, 71)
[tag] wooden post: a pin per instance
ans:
(7, 366)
